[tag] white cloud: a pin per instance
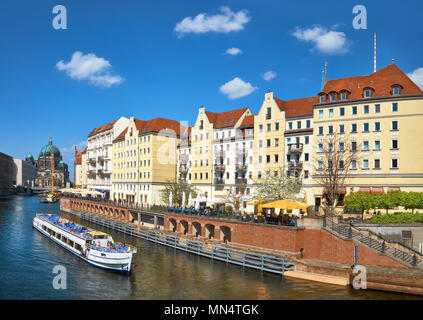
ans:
(80, 146)
(325, 41)
(234, 51)
(89, 67)
(225, 22)
(417, 77)
(237, 88)
(269, 75)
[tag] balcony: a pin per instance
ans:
(241, 180)
(219, 153)
(92, 160)
(219, 181)
(184, 158)
(183, 169)
(296, 165)
(295, 148)
(241, 167)
(100, 171)
(102, 158)
(219, 167)
(91, 171)
(241, 152)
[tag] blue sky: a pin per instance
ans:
(144, 65)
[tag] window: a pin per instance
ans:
(306, 140)
(332, 97)
(330, 113)
(394, 125)
(353, 165)
(353, 146)
(320, 165)
(377, 108)
(306, 156)
(320, 147)
(306, 174)
(308, 124)
(341, 128)
(366, 109)
(342, 111)
(322, 99)
(354, 110)
(366, 127)
(261, 128)
(259, 159)
(276, 158)
(268, 158)
(377, 145)
(376, 164)
(366, 145)
(276, 126)
(354, 127)
(343, 96)
(365, 164)
(395, 91)
(341, 146)
(330, 129)
(394, 107)
(269, 127)
(276, 142)
(367, 93)
(394, 163)
(290, 125)
(394, 144)
(260, 143)
(268, 143)
(298, 124)
(320, 114)
(377, 126)
(320, 131)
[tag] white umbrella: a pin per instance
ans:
(183, 199)
(170, 198)
(197, 204)
(189, 200)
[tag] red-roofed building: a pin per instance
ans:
(144, 158)
(378, 116)
(98, 169)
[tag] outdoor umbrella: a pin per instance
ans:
(197, 204)
(170, 198)
(189, 200)
(183, 199)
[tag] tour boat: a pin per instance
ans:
(50, 198)
(95, 247)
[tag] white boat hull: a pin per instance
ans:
(116, 261)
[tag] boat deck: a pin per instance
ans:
(83, 232)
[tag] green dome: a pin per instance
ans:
(29, 156)
(61, 161)
(46, 150)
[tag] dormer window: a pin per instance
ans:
(395, 91)
(343, 96)
(367, 93)
(332, 97)
(322, 99)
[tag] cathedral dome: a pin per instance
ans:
(29, 156)
(45, 151)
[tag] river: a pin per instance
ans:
(28, 258)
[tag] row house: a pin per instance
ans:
(144, 159)
(99, 154)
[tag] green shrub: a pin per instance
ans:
(398, 217)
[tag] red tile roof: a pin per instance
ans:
(78, 157)
(225, 119)
(297, 107)
(107, 126)
(248, 122)
(381, 81)
(155, 125)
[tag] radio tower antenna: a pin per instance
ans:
(375, 55)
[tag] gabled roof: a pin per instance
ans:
(381, 81)
(155, 125)
(248, 122)
(225, 119)
(297, 107)
(105, 127)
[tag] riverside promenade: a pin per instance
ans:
(320, 251)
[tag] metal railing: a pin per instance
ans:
(349, 232)
(245, 259)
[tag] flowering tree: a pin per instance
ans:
(278, 187)
(177, 190)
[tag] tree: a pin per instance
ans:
(359, 201)
(278, 187)
(335, 158)
(412, 200)
(384, 201)
(234, 199)
(177, 190)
